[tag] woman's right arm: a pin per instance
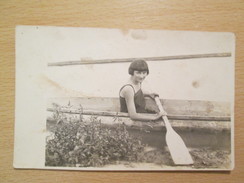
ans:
(128, 94)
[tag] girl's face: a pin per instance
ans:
(139, 76)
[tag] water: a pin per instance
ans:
(216, 140)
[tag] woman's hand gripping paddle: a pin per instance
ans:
(176, 145)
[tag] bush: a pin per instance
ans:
(88, 143)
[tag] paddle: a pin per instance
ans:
(176, 145)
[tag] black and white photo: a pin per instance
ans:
(111, 99)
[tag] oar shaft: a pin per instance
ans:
(165, 118)
(124, 60)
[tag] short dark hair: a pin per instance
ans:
(138, 65)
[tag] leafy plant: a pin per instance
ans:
(88, 143)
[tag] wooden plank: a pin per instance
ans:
(181, 125)
(121, 114)
(172, 106)
(124, 60)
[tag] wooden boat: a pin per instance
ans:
(199, 123)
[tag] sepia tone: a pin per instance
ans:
(172, 15)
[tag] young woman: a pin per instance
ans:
(132, 97)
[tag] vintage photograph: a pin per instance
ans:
(111, 99)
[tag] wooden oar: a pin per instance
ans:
(176, 145)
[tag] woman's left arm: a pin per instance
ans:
(152, 95)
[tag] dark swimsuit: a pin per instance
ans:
(138, 99)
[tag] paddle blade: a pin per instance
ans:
(178, 149)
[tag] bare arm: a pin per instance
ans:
(149, 94)
(152, 95)
(145, 92)
(128, 94)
